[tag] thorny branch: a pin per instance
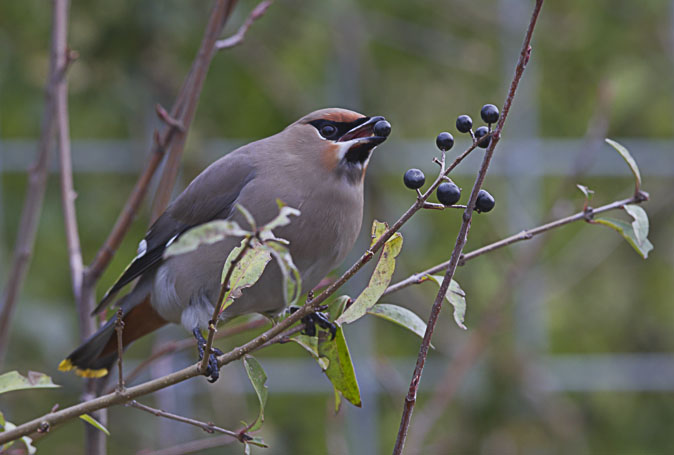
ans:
(410, 399)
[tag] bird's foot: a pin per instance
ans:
(317, 318)
(212, 369)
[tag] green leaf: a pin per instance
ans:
(246, 272)
(34, 380)
(456, 296)
(627, 231)
(340, 369)
(336, 307)
(629, 160)
(310, 344)
(586, 191)
(640, 223)
(258, 378)
(401, 316)
(257, 441)
(282, 219)
(378, 229)
(2, 419)
(204, 234)
(338, 399)
(379, 281)
(95, 423)
(247, 216)
(292, 281)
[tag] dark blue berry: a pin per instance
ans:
(485, 202)
(489, 113)
(464, 123)
(444, 141)
(382, 128)
(414, 179)
(479, 134)
(448, 193)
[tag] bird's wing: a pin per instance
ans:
(209, 196)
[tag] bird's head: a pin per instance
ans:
(341, 140)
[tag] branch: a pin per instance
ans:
(188, 100)
(207, 427)
(174, 346)
(37, 182)
(240, 34)
(177, 123)
(410, 399)
(526, 234)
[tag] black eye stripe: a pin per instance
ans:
(342, 127)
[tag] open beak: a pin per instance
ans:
(362, 140)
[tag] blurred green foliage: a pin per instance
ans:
(420, 64)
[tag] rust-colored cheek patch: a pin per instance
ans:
(342, 117)
(330, 157)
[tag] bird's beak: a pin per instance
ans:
(361, 140)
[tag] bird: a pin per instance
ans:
(316, 165)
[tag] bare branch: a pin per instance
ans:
(240, 34)
(177, 123)
(188, 100)
(410, 399)
(37, 182)
(207, 427)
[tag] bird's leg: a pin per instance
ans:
(212, 370)
(312, 320)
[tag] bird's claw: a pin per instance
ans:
(317, 318)
(212, 371)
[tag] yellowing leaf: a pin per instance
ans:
(246, 272)
(95, 423)
(379, 281)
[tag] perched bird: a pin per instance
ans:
(316, 165)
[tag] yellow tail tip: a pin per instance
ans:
(67, 365)
(90, 373)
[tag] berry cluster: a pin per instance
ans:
(449, 193)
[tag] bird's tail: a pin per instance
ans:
(95, 357)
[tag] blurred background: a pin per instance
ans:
(569, 347)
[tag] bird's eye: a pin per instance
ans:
(328, 131)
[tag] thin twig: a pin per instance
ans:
(37, 182)
(240, 34)
(119, 329)
(224, 288)
(207, 427)
(410, 399)
(520, 236)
